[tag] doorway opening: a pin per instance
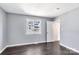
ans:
(53, 31)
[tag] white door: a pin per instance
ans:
(53, 31)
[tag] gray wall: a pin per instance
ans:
(3, 40)
(70, 29)
(16, 30)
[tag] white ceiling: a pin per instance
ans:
(39, 9)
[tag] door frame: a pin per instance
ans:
(47, 33)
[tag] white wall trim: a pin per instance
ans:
(24, 44)
(69, 48)
(21, 45)
(53, 41)
(28, 43)
(3, 49)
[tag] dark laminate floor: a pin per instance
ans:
(39, 49)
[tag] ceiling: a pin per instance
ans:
(39, 9)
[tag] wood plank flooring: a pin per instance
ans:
(52, 48)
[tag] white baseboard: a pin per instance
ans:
(21, 45)
(24, 44)
(3, 49)
(27, 43)
(69, 48)
(53, 41)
